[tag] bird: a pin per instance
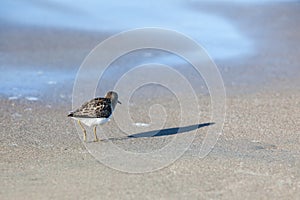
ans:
(95, 112)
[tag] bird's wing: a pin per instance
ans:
(98, 107)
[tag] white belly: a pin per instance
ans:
(92, 121)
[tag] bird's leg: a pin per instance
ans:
(84, 131)
(95, 135)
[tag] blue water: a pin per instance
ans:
(216, 34)
(31, 83)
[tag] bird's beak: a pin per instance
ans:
(119, 102)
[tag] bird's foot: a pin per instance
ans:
(84, 136)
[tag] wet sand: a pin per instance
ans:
(257, 157)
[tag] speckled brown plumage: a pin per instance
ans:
(100, 107)
(95, 108)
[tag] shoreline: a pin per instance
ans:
(236, 76)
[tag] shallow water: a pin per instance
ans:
(216, 34)
(31, 84)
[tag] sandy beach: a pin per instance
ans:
(256, 157)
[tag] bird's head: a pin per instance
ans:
(113, 96)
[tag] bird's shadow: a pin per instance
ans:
(165, 132)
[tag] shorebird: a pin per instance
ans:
(95, 112)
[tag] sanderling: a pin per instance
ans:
(95, 112)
